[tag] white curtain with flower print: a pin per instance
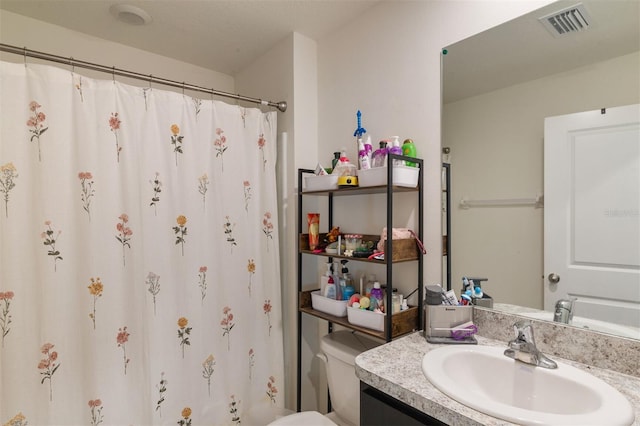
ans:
(139, 279)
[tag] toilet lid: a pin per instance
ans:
(307, 418)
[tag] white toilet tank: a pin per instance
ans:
(341, 349)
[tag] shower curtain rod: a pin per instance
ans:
(281, 106)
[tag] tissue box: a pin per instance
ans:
(337, 308)
(377, 176)
(321, 183)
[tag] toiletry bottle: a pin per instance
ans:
(334, 162)
(330, 289)
(336, 279)
(380, 155)
(368, 148)
(409, 150)
(324, 279)
(378, 294)
(396, 149)
(363, 157)
(346, 282)
(370, 280)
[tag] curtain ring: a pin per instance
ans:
(73, 66)
(25, 56)
(183, 88)
(150, 80)
(113, 73)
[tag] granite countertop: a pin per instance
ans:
(395, 368)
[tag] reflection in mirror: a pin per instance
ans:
(498, 88)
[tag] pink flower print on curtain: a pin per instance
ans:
(180, 231)
(233, 410)
(207, 370)
(247, 194)
(50, 241)
(153, 282)
(86, 191)
(36, 124)
(261, 144)
(272, 391)
(176, 141)
(183, 333)
(122, 338)
(251, 268)
(48, 366)
(267, 227)
(227, 324)
(96, 412)
(124, 234)
(157, 189)
(220, 145)
(8, 174)
(186, 417)
(95, 289)
(114, 125)
(267, 311)
(5, 318)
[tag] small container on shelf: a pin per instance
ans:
(402, 176)
(321, 183)
(366, 318)
(337, 308)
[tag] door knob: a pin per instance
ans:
(554, 278)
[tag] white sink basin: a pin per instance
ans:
(483, 378)
(590, 324)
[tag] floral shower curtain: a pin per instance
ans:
(139, 271)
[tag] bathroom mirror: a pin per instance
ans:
(498, 86)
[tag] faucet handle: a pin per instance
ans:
(524, 332)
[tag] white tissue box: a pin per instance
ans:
(337, 308)
(377, 176)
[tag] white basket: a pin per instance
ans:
(402, 176)
(365, 318)
(336, 308)
(321, 183)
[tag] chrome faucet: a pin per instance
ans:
(564, 310)
(523, 347)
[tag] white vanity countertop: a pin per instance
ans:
(396, 369)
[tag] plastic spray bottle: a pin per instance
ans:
(396, 149)
(364, 160)
(380, 155)
(324, 279)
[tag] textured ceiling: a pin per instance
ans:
(221, 35)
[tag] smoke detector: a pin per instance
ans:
(129, 14)
(570, 20)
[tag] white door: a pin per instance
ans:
(592, 213)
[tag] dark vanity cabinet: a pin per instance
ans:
(379, 409)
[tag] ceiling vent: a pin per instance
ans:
(573, 19)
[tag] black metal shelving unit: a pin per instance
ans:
(389, 189)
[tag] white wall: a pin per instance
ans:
(387, 64)
(498, 153)
(20, 31)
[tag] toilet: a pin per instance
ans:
(339, 351)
